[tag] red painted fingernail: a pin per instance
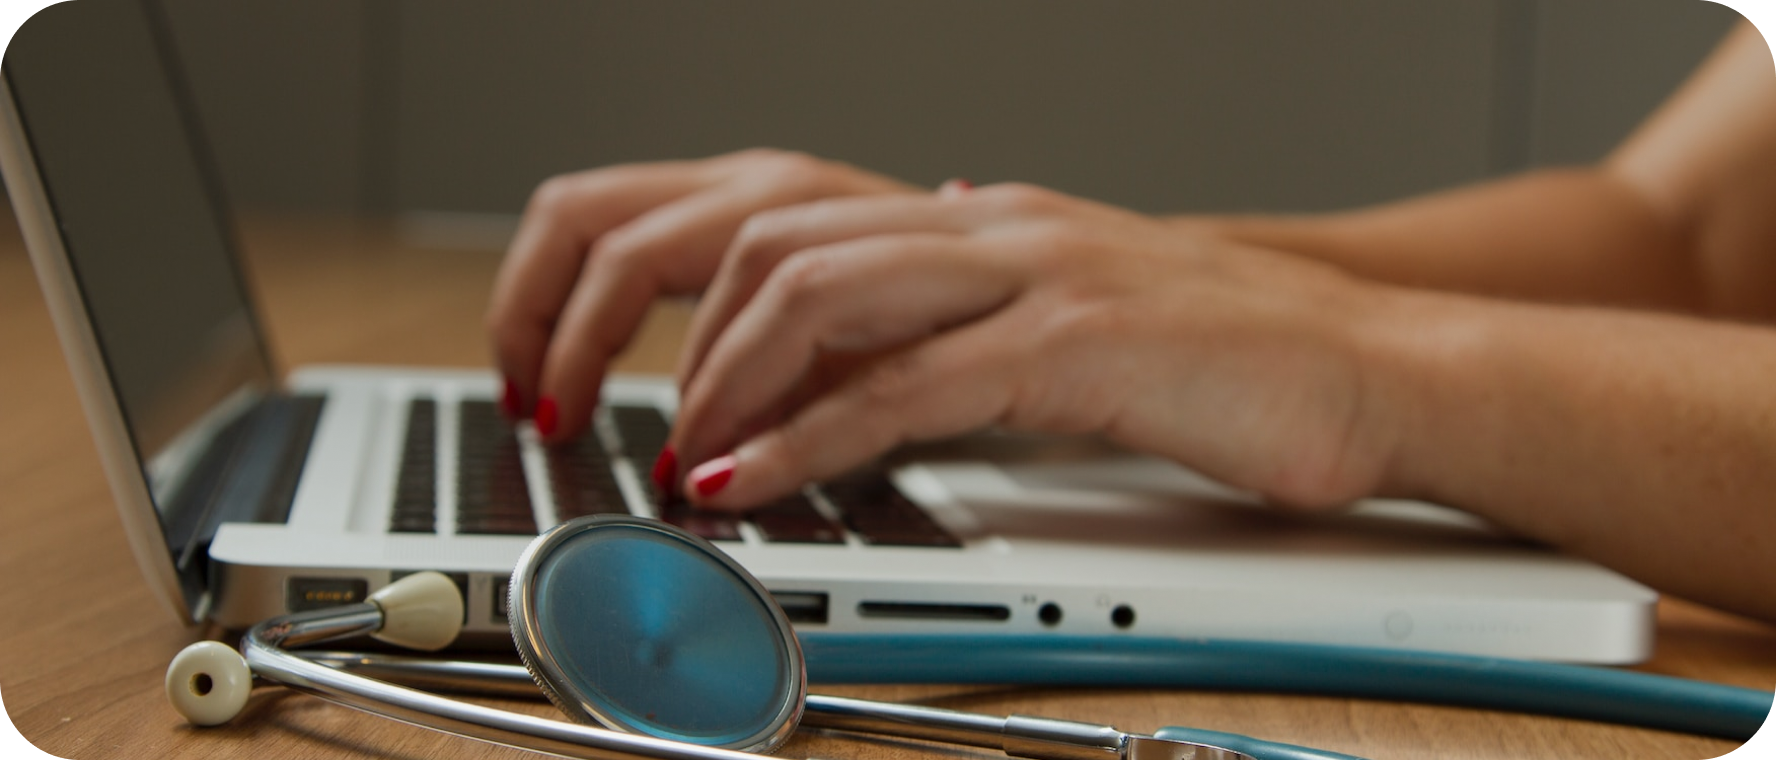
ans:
(712, 475)
(547, 416)
(509, 400)
(961, 183)
(666, 471)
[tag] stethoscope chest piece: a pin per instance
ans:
(629, 624)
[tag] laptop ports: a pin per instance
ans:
(986, 613)
(304, 594)
(802, 606)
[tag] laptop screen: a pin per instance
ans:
(148, 246)
(138, 215)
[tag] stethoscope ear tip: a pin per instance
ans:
(208, 683)
(421, 611)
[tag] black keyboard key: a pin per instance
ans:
(490, 525)
(793, 519)
(643, 431)
(709, 524)
(491, 493)
(877, 512)
(581, 480)
(416, 482)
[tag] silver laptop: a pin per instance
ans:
(245, 494)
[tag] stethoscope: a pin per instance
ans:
(657, 645)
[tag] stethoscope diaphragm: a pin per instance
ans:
(630, 624)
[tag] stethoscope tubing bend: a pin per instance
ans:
(1556, 689)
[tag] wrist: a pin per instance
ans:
(1417, 351)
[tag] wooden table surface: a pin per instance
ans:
(84, 646)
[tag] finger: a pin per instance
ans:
(670, 250)
(954, 187)
(947, 385)
(567, 216)
(855, 296)
(768, 238)
(564, 218)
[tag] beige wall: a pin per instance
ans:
(460, 105)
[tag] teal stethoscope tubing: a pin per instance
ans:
(1572, 691)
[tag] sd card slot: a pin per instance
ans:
(934, 611)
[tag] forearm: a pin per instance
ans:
(1575, 236)
(1645, 442)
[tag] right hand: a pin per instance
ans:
(1022, 308)
(596, 248)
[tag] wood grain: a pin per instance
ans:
(83, 646)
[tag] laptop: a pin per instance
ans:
(246, 493)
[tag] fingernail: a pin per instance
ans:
(666, 471)
(712, 475)
(509, 400)
(954, 187)
(547, 416)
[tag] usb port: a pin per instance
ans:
(802, 606)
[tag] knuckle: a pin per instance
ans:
(1053, 247)
(803, 281)
(510, 327)
(556, 193)
(620, 255)
(893, 379)
(798, 171)
(571, 191)
(495, 322)
(757, 155)
(1021, 198)
(513, 341)
(756, 242)
(1081, 320)
(795, 441)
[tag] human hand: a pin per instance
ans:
(1023, 308)
(596, 248)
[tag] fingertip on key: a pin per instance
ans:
(710, 477)
(665, 472)
(510, 403)
(548, 416)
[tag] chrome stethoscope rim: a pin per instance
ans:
(553, 678)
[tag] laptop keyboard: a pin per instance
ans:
(493, 496)
(416, 483)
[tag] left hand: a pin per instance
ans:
(1024, 308)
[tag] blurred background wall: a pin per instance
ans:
(421, 107)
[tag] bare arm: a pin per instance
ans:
(1680, 217)
(1646, 442)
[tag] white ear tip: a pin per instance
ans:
(421, 611)
(208, 683)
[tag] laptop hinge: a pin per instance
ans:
(248, 473)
